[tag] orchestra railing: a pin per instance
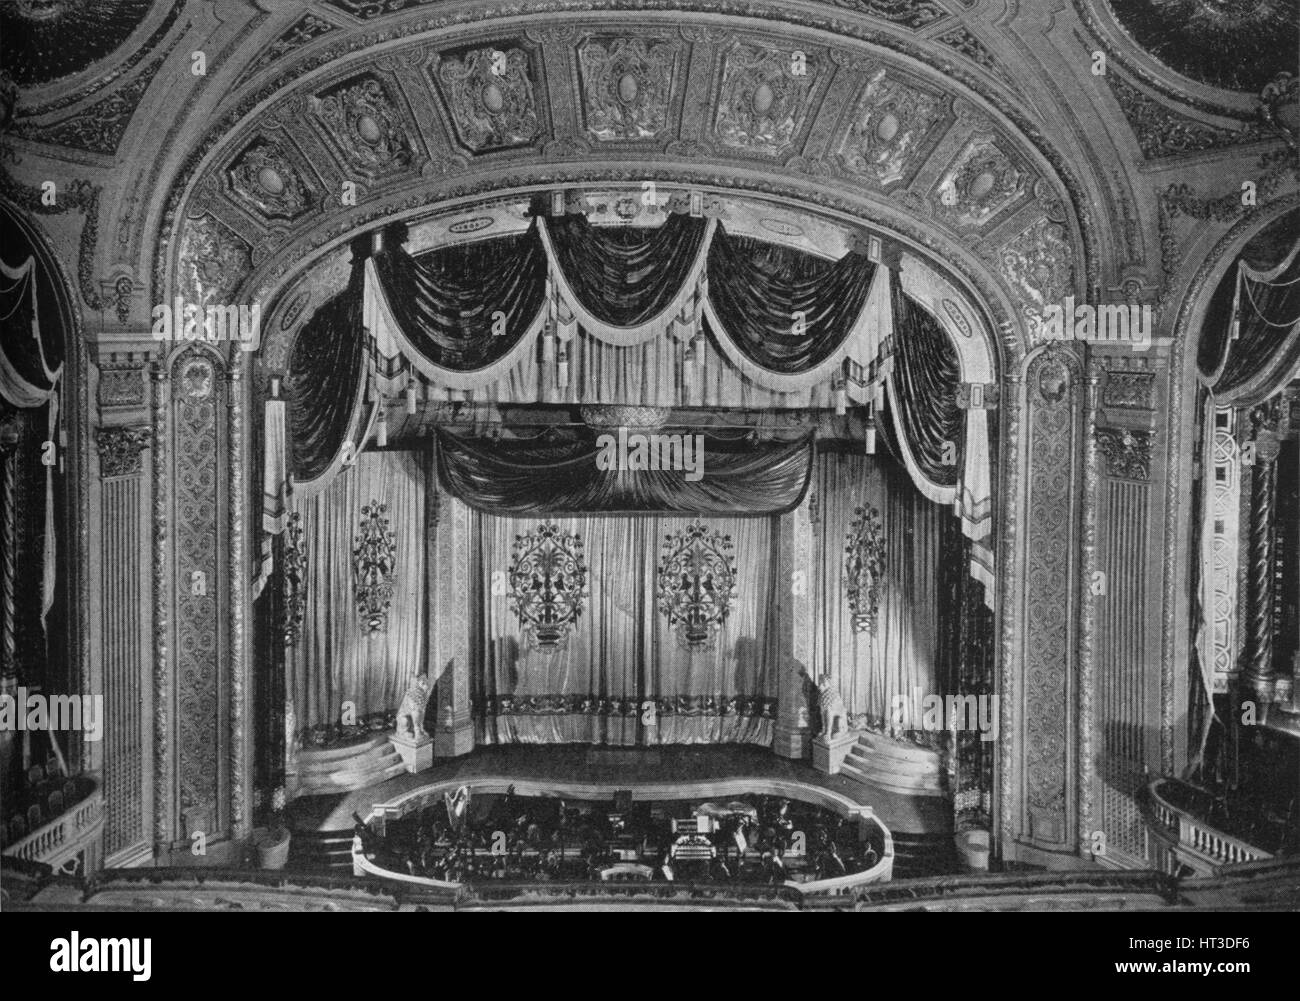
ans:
(1179, 838)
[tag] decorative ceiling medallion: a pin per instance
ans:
(626, 83)
(547, 583)
(864, 567)
(374, 561)
(890, 129)
(764, 100)
(981, 182)
(696, 584)
(489, 95)
(365, 125)
(265, 178)
(293, 579)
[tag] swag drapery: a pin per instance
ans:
(622, 655)
(681, 314)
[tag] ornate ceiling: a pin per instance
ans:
(974, 132)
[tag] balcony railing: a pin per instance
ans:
(1189, 841)
(67, 843)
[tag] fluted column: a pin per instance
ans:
(1258, 675)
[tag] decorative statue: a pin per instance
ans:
(834, 717)
(410, 714)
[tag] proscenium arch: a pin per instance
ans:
(450, 175)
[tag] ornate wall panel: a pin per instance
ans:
(1054, 392)
(198, 472)
(626, 86)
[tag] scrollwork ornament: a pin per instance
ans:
(547, 583)
(374, 562)
(696, 584)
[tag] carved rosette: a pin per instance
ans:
(626, 83)
(119, 450)
(267, 180)
(864, 567)
(696, 584)
(1128, 453)
(763, 101)
(489, 94)
(981, 182)
(374, 563)
(547, 583)
(366, 126)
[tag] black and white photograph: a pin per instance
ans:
(650, 456)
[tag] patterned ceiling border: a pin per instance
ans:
(1162, 132)
(849, 30)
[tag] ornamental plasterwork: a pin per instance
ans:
(1128, 453)
(982, 181)
(365, 125)
(214, 261)
(626, 85)
(1039, 265)
(120, 448)
(268, 181)
(489, 93)
(889, 129)
(763, 100)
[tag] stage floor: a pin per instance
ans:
(576, 762)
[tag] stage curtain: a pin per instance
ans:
(325, 386)
(439, 312)
(335, 661)
(905, 652)
(923, 398)
(625, 277)
(757, 287)
(559, 474)
(621, 653)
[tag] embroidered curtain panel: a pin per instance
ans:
(622, 654)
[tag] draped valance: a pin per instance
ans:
(561, 473)
(683, 314)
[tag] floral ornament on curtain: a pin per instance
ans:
(864, 567)
(547, 584)
(696, 584)
(294, 581)
(373, 561)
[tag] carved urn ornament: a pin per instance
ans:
(696, 584)
(864, 567)
(374, 564)
(547, 584)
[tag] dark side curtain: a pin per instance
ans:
(925, 378)
(561, 475)
(625, 277)
(1247, 370)
(323, 380)
(756, 288)
(445, 300)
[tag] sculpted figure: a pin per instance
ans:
(835, 719)
(410, 714)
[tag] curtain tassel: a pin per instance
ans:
(410, 397)
(381, 428)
